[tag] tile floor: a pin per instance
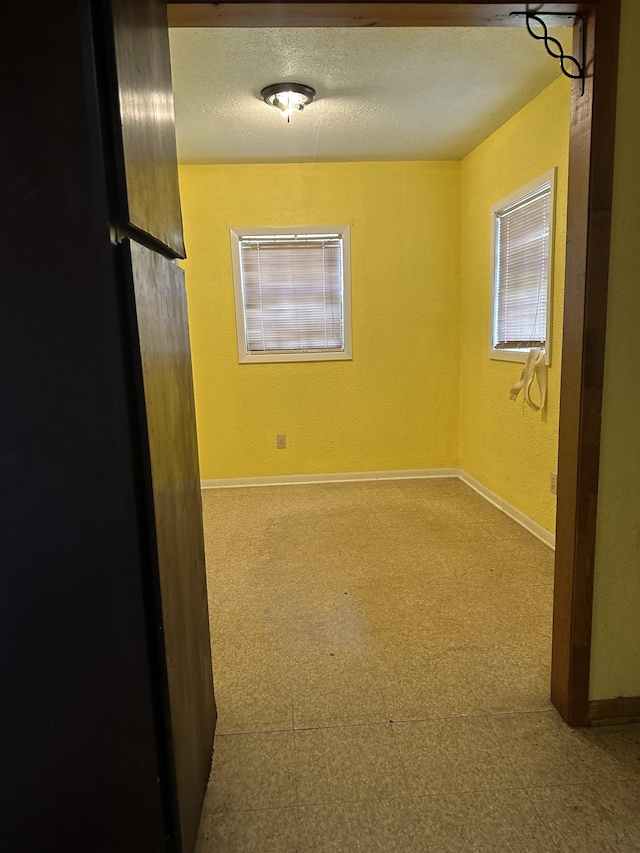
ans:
(381, 659)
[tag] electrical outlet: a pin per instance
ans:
(281, 442)
(553, 483)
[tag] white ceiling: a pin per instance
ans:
(382, 93)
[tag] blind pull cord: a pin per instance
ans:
(535, 369)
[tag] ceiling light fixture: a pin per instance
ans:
(288, 97)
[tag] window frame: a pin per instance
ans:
(244, 357)
(520, 355)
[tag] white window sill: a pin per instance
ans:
(515, 355)
(272, 357)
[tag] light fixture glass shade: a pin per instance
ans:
(288, 97)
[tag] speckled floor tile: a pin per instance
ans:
(355, 527)
(244, 651)
(357, 703)
(385, 826)
(453, 755)
(505, 680)
(622, 743)
(419, 484)
(343, 495)
(407, 644)
(535, 554)
(420, 687)
(301, 540)
(246, 648)
(258, 831)
(401, 515)
(348, 764)
(462, 530)
(336, 690)
(322, 627)
(352, 517)
(252, 771)
(382, 493)
(359, 548)
(483, 822)
(453, 485)
(602, 818)
(433, 506)
(335, 607)
(478, 508)
(254, 705)
(304, 496)
(544, 751)
(232, 546)
(505, 528)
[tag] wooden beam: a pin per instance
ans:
(357, 14)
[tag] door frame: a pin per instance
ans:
(591, 159)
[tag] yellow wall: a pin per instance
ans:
(509, 448)
(395, 405)
(615, 668)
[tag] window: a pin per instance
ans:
(522, 239)
(293, 296)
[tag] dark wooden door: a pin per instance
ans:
(176, 519)
(148, 198)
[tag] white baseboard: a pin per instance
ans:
(513, 512)
(359, 476)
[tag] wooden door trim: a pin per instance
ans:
(591, 159)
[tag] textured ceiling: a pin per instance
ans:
(382, 93)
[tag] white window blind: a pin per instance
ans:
(292, 293)
(523, 239)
